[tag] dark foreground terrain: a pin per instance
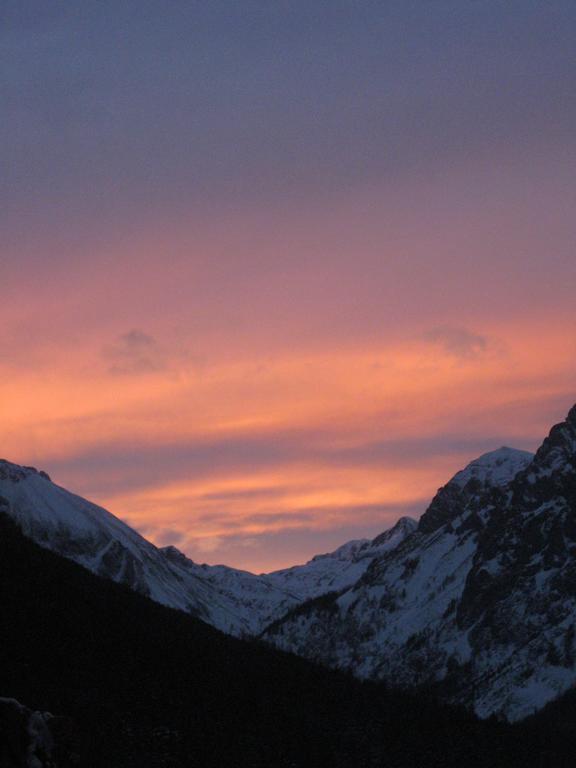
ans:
(135, 684)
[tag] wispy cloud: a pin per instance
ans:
(122, 466)
(315, 444)
(134, 352)
(458, 342)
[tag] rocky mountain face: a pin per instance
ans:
(235, 601)
(479, 602)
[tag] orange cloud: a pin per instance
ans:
(307, 440)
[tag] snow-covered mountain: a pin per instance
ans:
(235, 601)
(476, 601)
(343, 567)
(94, 538)
(479, 602)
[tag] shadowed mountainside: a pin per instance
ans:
(149, 686)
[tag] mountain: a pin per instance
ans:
(478, 604)
(235, 601)
(341, 568)
(130, 683)
(475, 603)
(94, 538)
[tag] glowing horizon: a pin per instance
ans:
(341, 444)
(271, 276)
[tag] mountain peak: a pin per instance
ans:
(406, 525)
(15, 472)
(557, 454)
(402, 528)
(565, 431)
(496, 467)
(175, 555)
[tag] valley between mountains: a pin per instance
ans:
(475, 603)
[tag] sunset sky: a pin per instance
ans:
(271, 272)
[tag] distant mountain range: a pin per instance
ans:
(475, 603)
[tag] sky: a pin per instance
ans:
(272, 272)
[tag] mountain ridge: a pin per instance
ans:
(478, 604)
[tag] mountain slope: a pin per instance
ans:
(94, 538)
(232, 600)
(148, 686)
(479, 602)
